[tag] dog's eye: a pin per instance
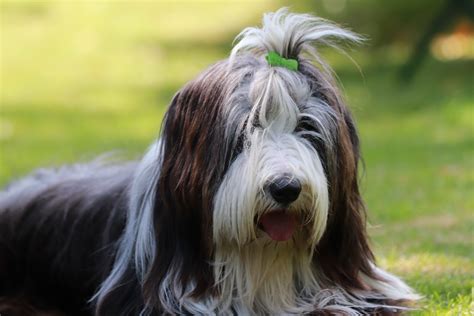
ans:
(239, 145)
(305, 126)
(309, 132)
(306, 129)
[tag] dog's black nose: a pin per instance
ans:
(285, 189)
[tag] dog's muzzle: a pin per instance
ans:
(280, 224)
(285, 189)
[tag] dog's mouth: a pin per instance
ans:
(278, 224)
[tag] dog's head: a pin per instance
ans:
(255, 153)
(256, 204)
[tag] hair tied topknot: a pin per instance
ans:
(275, 60)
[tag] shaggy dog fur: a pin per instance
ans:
(248, 204)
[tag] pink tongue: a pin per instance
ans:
(279, 225)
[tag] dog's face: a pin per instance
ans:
(275, 187)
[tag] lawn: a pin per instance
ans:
(81, 79)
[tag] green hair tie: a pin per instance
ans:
(275, 60)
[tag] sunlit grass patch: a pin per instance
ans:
(445, 281)
(429, 264)
(457, 305)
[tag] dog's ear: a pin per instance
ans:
(343, 252)
(192, 136)
(190, 165)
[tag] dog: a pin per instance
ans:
(247, 204)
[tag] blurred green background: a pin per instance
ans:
(79, 78)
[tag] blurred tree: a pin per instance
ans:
(410, 25)
(383, 22)
(449, 13)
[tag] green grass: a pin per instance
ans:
(79, 79)
(418, 146)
